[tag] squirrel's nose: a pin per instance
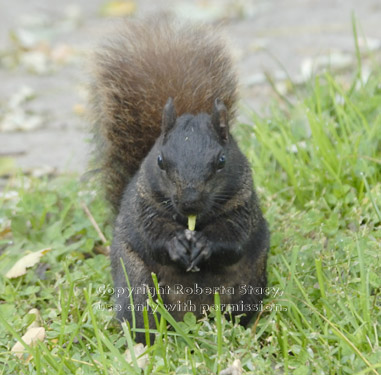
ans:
(190, 202)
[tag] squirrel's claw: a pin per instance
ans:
(178, 250)
(193, 268)
(201, 251)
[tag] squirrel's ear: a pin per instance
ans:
(169, 116)
(220, 119)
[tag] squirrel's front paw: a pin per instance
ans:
(179, 249)
(201, 250)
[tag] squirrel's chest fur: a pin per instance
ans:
(142, 223)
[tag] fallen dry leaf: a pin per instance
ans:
(79, 109)
(118, 8)
(25, 262)
(139, 349)
(234, 369)
(30, 338)
(38, 321)
(7, 166)
(16, 116)
(62, 54)
(5, 232)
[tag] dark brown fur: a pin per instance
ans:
(134, 75)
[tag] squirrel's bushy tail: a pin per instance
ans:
(135, 72)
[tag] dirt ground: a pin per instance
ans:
(44, 44)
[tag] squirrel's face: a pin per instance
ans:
(193, 159)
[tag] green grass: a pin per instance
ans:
(317, 167)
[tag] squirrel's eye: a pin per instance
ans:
(221, 162)
(160, 162)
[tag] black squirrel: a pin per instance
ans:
(162, 99)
